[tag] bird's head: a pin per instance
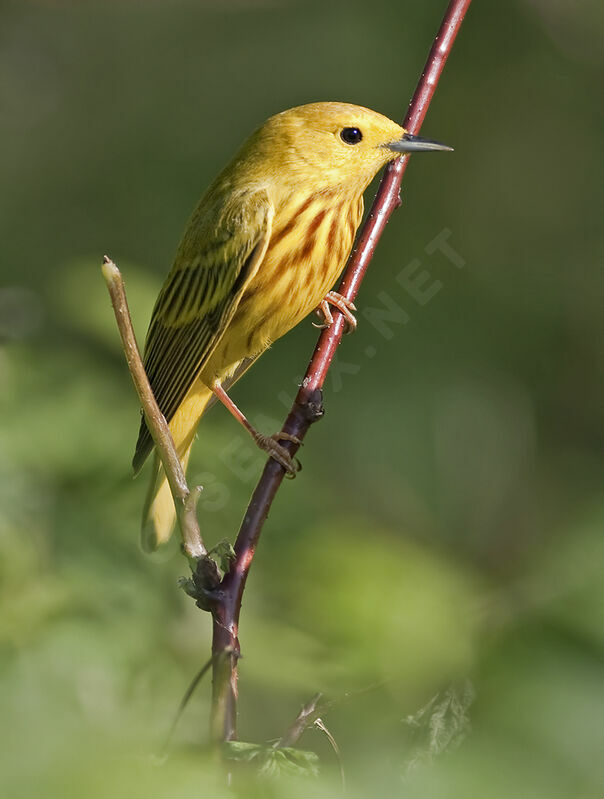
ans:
(337, 144)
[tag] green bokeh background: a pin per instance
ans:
(445, 534)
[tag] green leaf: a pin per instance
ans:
(289, 761)
(223, 553)
(273, 762)
(242, 750)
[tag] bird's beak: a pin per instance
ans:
(415, 144)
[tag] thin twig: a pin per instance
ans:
(320, 725)
(307, 406)
(185, 701)
(307, 715)
(185, 500)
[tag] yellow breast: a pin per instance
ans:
(305, 256)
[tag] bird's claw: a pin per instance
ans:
(270, 445)
(346, 307)
(283, 436)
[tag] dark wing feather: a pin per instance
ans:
(220, 252)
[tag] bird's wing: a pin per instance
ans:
(199, 299)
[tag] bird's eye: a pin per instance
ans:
(351, 135)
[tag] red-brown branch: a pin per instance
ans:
(226, 604)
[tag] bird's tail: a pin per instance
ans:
(159, 513)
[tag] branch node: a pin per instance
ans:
(310, 406)
(205, 581)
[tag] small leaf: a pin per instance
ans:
(293, 762)
(188, 586)
(242, 750)
(223, 553)
(274, 762)
(441, 724)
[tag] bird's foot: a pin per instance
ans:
(270, 445)
(346, 307)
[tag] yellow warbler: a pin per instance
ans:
(262, 250)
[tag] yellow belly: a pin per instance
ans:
(295, 275)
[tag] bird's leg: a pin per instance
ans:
(346, 307)
(269, 444)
